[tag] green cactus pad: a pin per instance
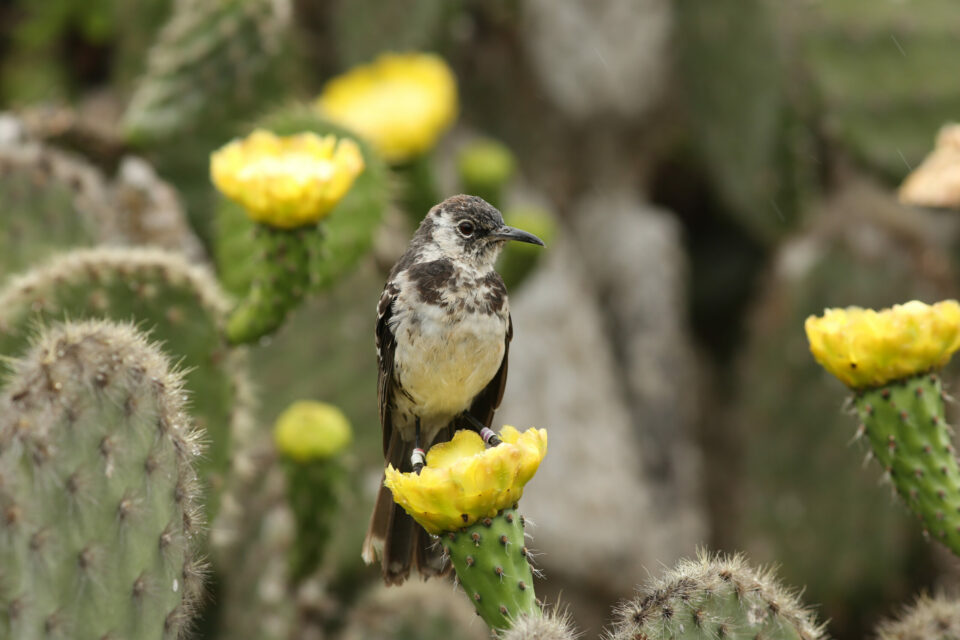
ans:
(313, 493)
(212, 61)
(714, 597)
(910, 438)
(179, 304)
(281, 281)
(492, 565)
(98, 494)
(49, 201)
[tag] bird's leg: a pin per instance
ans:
(488, 434)
(418, 457)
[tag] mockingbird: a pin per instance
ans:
(443, 331)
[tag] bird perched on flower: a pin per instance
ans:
(443, 332)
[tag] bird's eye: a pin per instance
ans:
(465, 228)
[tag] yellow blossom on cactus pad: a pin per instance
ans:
(867, 348)
(400, 102)
(309, 430)
(464, 481)
(286, 181)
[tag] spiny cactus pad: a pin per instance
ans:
(714, 597)
(210, 57)
(99, 499)
(49, 201)
(179, 304)
(905, 424)
(492, 565)
(936, 618)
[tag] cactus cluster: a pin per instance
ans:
(178, 303)
(98, 494)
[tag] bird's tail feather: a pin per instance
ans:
(393, 536)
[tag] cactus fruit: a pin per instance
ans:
(98, 491)
(180, 304)
(209, 57)
(347, 233)
(492, 564)
(486, 167)
(905, 424)
(936, 618)
(715, 597)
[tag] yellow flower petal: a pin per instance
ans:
(867, 348)
(463, 481)
(400, 102)
(287, 181)
(311, 431)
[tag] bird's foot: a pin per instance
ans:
(418, 460)
(489, 435)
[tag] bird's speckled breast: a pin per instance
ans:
(445, 358)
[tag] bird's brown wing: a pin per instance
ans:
(489, 399)
(386, 346)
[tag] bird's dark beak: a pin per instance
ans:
(510, 233)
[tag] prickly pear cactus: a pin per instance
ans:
(929, 618)
(347, 233)
(886, 76)
(209, 57)
(50, 200)
(715, 597)
(180, 304)
(492, 564)
(98, 493)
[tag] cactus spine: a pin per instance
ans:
(492, 565)
(98, 494)
(904, 422)
(715, 597)
(180, 304)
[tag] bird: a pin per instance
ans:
(442, 336)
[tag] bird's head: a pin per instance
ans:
(470, 230)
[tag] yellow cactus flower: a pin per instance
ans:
(867, 348)
(402, 103)
(936, 182)
(309, 430)
(463, 481)
(286, 181)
